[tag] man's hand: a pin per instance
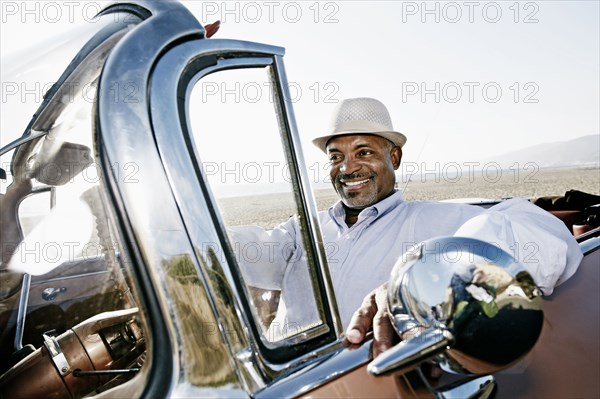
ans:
(373, 313)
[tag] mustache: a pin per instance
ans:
(353, 176)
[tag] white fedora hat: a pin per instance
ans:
(361, 116)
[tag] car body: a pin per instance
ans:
(124, 281)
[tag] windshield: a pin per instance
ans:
(65, 276)
(28, 72)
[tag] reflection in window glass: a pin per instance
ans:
(237, 137)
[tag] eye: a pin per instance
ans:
(365, 152)
(335, 158)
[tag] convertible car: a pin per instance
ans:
(119, 277)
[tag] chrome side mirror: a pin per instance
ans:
(464, 302)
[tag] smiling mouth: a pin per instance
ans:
(354, 183)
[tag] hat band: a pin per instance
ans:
(361, 127)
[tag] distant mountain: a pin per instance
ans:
(581, 151)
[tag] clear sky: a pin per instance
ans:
(463, 80)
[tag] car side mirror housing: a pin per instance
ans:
(465, 303)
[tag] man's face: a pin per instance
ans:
(362, 168)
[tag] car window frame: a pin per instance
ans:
(227, 247)
(188, 63)
(161, 376)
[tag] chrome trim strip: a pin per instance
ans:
(196, 217)
(308, 194)
(590, 245)
(29, 135)
(22, 311)
(124, 131)
(592, 233)
(327, 368)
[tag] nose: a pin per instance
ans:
(350, 165)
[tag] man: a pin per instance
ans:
(372, 226)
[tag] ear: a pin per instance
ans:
(396, 156)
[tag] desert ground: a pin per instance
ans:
(271, 209)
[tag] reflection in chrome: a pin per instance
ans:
(478, 387)
(464, 299)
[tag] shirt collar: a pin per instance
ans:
(338, 213)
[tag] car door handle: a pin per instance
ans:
(49, 294)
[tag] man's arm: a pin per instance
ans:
(263, 255)
(537, 239)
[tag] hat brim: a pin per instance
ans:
(396, 138)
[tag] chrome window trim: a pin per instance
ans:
(226, 64)
(123, 130)
(307, 194)
(166, 106)
(197, 217)
(326, 368)
(590, 241)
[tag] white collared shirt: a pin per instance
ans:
(361, 256)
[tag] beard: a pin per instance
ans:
(357, 199)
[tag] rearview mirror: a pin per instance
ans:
(58, 162)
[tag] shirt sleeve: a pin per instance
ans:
(263, 255)
(539, 240)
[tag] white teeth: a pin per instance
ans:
(355, 183)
